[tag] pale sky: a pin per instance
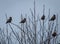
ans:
(14, 8)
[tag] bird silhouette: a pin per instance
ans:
(9, 20)
(23, 21)
(43, 17)
(54, 34)
(53, 18)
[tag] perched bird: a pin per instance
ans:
(53, 18)
(43, 17)
(9, 20)
(23, 21)
(54, 34)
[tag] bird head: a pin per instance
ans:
(11, 18)
(24, 18)
(54, 15)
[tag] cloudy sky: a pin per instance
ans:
(14, 8)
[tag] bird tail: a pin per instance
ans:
(6, 22)
(19, 22)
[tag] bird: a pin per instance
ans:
(43, 17)
(53, 18)
(9, 20)
(54, 34)
(23, 21)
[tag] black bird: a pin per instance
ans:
(53, 18)
(54, 34)
(43, 17)
(9, 20)
(23, 21)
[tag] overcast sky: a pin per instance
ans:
(14, 8)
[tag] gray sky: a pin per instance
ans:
(15, 7)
